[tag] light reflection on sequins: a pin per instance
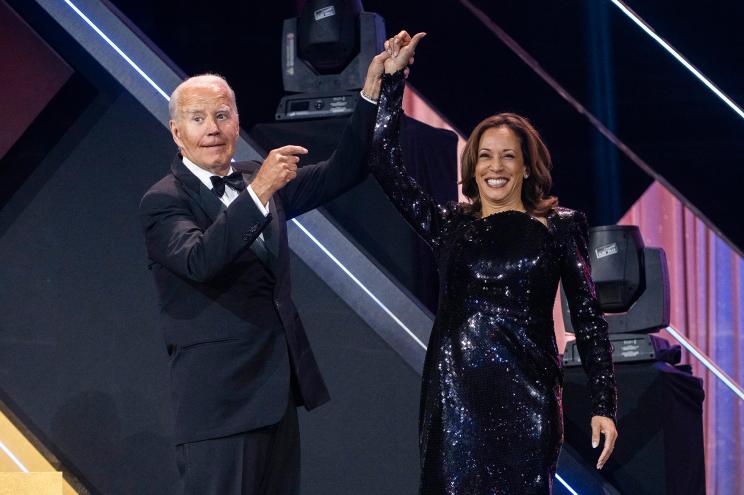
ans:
(491, 420)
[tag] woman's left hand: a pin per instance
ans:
(605, 426)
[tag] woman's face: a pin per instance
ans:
(499, 171)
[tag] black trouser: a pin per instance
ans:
(258, 462)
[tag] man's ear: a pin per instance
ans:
(175, 132)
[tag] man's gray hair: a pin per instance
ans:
(174, 104)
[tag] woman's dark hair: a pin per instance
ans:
(535, 187)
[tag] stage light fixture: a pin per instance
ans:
(328, 34)
(631, 280)
(632, 286)
(325, 54)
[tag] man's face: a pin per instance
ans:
(206, 125)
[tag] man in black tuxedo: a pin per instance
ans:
(216, 236)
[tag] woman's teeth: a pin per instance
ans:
(496, 182)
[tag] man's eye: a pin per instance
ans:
(221, 116)
(197, 119)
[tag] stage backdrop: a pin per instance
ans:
(707, 303)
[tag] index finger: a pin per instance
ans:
(292, 149)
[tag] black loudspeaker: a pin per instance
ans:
(660, 448)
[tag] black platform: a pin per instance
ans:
(660, 447)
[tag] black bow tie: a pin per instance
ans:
(234, 180)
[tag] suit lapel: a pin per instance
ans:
(209, 202)
(271, 232)
(197, 191)
(212, 206)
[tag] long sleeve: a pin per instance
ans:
(419, 209)
(590, 327)
(321, 182)
(175, 240)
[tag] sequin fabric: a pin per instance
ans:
(491, 418)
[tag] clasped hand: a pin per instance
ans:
(280, 166)
(401, 49)
(397, 55)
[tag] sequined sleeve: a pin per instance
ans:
(592, 339)
(420, 210)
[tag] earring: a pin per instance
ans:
(526, 175)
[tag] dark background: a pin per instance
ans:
(622, 76)
(80, 351)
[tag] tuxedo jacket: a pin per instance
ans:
(232, 332)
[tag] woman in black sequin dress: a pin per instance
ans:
(491, 419)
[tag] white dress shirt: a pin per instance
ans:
(230, 193)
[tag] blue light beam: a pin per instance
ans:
(117, 49)
(563, 482)
(707, 362)
(360, 284)
(682, 60)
